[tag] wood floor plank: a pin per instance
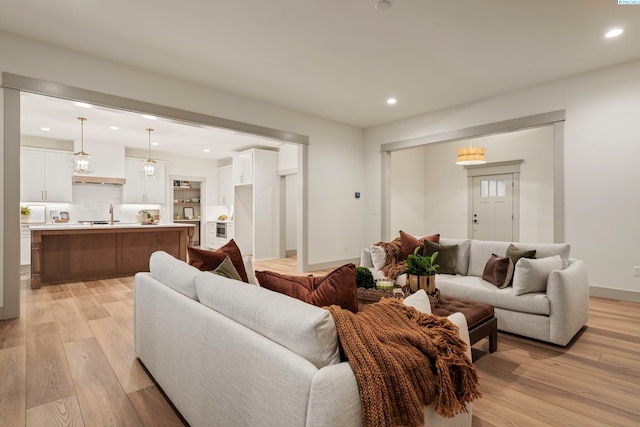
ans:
(12, 386)
(59, 413)
(102, 400)
(153, 408)
(12, 332)
(123, 314)
(91, 308)
(39, 310)
(71, 324)
(48, 376)
(118, 348)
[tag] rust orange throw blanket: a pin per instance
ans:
(404, 359)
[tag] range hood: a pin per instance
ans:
(87, 179)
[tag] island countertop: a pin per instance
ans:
(80, 252)
(76, 226)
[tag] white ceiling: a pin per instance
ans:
(341, 59)
(176, 139)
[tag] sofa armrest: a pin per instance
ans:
(460, 321)
(365, 258)
(568, 293)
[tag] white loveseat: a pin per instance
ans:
(554, 315)
(228, 353)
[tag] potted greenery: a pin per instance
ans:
(421, 271)
(25, 213)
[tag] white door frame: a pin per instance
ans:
(498, 168)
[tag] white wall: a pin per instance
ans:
(407, 192)
(600, 147)
(335, 151)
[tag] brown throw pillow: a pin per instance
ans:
(447, 256)
(498, 271)
(210, 260)
(336, 288)
(515, 254)
(408, 243)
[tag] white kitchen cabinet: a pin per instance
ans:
(243, 169)
(215, 242)
(45, 176)
(142, 189)
(256, 207)
(225, 185)
(25, 245)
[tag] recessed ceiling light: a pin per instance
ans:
(82, 104)
(147, 116)
(155, 143)
(206, 150)
(391, 101)
(383, 4)
(114, 127)
(45, 129)
(614, 32)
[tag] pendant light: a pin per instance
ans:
(149, 166)
(82, 162)
(471, 155)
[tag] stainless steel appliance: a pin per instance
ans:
(221, 230)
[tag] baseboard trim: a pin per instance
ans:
(330, 264)
(617, 294)
(291, 252)
(2, 312)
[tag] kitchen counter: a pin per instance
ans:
(79, 252)
(76, 226)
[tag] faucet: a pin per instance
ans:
(111, 213)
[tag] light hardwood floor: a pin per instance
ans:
(69, 361)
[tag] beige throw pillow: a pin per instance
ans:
(378, 257)
(531, 274)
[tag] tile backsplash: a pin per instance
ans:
(91, 202)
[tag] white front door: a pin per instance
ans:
(492, 217)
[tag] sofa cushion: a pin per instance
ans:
(531, 274)
(176, 274)
(472, 288)
(515, 254)
(378, 256)
(304, 329)
(408, 243)
(544, 250)
(226, 269)
(335, 288)
(464, 246)
(481, 251)
(209, 260)
(498, 271)
(447, 256)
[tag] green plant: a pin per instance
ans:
(422, 265)
(364, 278)
(24, 210)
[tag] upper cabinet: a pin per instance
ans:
(45, 176)
(225, 185)
(243, 169)
(142, 189)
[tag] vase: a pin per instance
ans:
(24, 218)
(428, 283)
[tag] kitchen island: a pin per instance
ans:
(75, 252)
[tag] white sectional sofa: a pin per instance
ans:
(228, 353)
(554, 315)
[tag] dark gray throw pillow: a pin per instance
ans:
(447, 256)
